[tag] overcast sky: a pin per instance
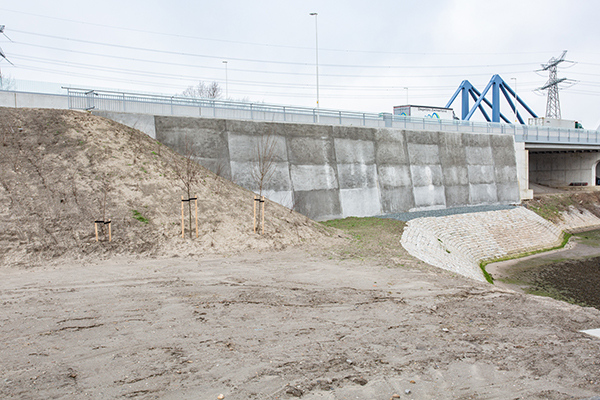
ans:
(369, 52)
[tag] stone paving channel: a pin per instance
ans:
(459, 239)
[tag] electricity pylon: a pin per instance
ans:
(553, 103)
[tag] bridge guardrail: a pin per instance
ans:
(184, 106)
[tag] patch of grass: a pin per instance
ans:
(139, 217)
(371, 237)
(550, 207)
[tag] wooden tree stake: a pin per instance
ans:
(109, 231)
(96, 228)
(254, 220)
(196, 215)
(263, 214)
(182, 220)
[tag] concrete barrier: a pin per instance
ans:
(33, 100)
(327, 172)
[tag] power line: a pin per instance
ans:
(221, 57)
(258, 71)
(180, 77)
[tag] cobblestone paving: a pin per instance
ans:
(459, 242)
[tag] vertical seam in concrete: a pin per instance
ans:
(443, 184)
(408, 164)
(289, 163)
(226, 134)
(335, 168)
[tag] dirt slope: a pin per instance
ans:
(55, 165)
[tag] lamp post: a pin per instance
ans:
(317, 58)
(226, 82)
(406, 95)
(516, 102)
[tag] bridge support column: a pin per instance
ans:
(522, 158)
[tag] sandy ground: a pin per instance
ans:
(288, 324)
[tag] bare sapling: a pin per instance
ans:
(187, 172)
(263, 170)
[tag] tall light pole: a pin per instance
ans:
(226, 82)
(317, 57)
(406, 95)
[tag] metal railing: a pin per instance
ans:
(86, 99)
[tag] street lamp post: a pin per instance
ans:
(406, 95)
(317, 58)
(226, 82)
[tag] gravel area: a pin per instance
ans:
(407, 216)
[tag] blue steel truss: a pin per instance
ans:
(497, 85)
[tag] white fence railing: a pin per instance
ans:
(106, 100)
(184, 106)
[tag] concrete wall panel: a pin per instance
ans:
(503, 156)
(320, 205)
(242, 174)
(360, 202)
(393, 176)
(426, 175)
(314, 177)
(142, 122)
(483, 193)
(311, 151)
(354, 176)
(475, 140)
(479, 155)
(451, 149)
(423, 154)
(349, 151)
(394, 199)
(422, 137)
(455, 175)
(457, 196)
(429, 197)
(353, 133)
(481, 174)
(392, 153)
(246, 147)
(285, 198)
(507, 192)
(506, 174)
(206, 139)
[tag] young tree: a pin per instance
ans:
(186, 171)
(264, 167)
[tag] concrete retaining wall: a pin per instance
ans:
(328, 172)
